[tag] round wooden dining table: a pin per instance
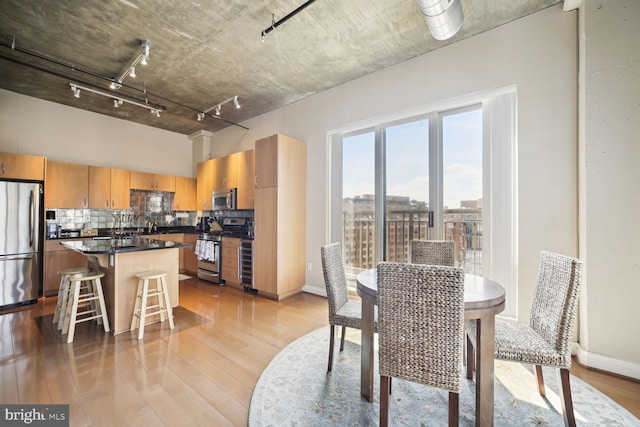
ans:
(483, 299)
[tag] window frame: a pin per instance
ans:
(500, 198)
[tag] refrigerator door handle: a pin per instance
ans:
(32, 217)
(14, 258)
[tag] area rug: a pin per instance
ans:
(296, 390)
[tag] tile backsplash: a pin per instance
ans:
(145, 206)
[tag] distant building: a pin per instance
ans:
(407, 220)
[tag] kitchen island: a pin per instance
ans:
(121, 259)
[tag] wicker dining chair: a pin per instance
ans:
(547, 338)
(432, 252)
(343, 311)
(420, 329)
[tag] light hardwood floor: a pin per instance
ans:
(201, 373)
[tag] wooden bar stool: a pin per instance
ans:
(91, 301)
(63, 292)
(163, 304)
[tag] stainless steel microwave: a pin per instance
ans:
(225, 199)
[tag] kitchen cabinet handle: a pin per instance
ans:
(3, 169)
(255, 180)
(113, 202)
(107, 202)
(239, 262)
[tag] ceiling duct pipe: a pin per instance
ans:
(444, 17)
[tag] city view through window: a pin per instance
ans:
(454, 175)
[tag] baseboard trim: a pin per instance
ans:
(315, 290)
(606, 363)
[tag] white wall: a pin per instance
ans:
(62, 133)
(543, 65)
(610, 150)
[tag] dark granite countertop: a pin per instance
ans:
(114, 246)
(109, 232)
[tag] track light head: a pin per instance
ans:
(132, 71)
(146, 49)
(117, 103)
(200, 117)
(75, 90)
(155, 112)
(217, 110)
(235, 101)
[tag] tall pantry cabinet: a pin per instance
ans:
(280, 216)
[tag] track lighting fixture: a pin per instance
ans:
(200, 117)
(130, 70)
(117, 101)
(218, 107)
(113, 82)
(275, 24)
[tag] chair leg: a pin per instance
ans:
(331, 336)
(540, 379)
(344, 328)
(470, 359)
(384, 400)
(454, 406)
(567, 403)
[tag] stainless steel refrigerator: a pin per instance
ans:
(20, 242)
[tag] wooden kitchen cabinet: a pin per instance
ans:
(280, 217)
(266, 161)
(204, 184)
(109, 188)
(246, 179)
(66, 185)
(226, 172)
(184, 198)
(190, 262)
(230, 260)
(153, 181)
(56, 258)
(22, 166)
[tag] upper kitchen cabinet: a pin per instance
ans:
(204, 184)
(66, 185)
(280, 217)
(153, 182)
(266, 161)
(246, 177)
(226, 172)
(185, 196)
(109, 188)
(22, 166)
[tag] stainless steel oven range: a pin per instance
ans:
(208, 253)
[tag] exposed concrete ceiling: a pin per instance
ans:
(204, 52)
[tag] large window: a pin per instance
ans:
(429, 170)
(446, 174)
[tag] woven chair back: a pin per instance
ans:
(334, 278)
(421, 323)
(432, 252)
(555, 300)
